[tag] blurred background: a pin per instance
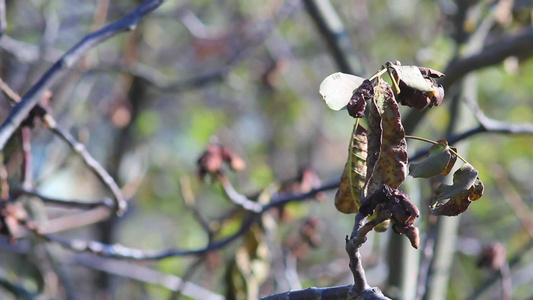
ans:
(245, 74)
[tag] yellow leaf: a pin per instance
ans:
(353, 177)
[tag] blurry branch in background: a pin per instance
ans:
(121, 252)
(258, 33)
(26, 52)
(190, 202)
(519, 45)
(91, 163)
(21, 111)
(3, 21)
(237, 198)
(147, 275)
(330, 26)
(486, 125)
(105, 202)
(76, 147)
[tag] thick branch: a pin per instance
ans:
(520, 45)
(332, 29)
(32, 97)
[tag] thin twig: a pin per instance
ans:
(91, 163)
(26, 166)
(486, 125)
(238, 198)
(106, 202)
(144, 274)
(33, 96)
(77, 147)
(190, 202)
(121, 252)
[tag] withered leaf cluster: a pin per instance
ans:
(377, 160)
(402, 213)
(214, 157)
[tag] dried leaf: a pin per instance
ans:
(428, 72)
(451, 163)
(467, 187)
(463, 180)
(412, 77)
(356, 106)
(338, 88)
(437, 161)
(385, 130)
(418, 88)
(353, 177)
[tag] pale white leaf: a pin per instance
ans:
(338, 88)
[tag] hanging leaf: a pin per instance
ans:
(466, 187)
(463, 179)
(386, 130)
(412, 77)
(353, 176)
(458, 204)
(418, 88)
(437, 161)
(337, 89)
(452, 161)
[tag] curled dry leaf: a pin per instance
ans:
(439, 160)
(387, 147)
(401, 212)
(428, 72)
(418, 88)
(338, 88)
(353, 177)
(356, 106)
(466, 187)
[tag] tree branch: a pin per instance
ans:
(91, 163)
(3, 22)
(32, 97)
(106, 202)
(144, 274)
(121, 252)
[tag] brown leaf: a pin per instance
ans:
(428, 72)
(418, 88)
(353, 177)
(451, 163)
(386, 130)
(467, 187)
(356, 106)
(463, 180)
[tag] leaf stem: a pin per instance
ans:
(394, 83)
(378, 74)
(435, 143)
